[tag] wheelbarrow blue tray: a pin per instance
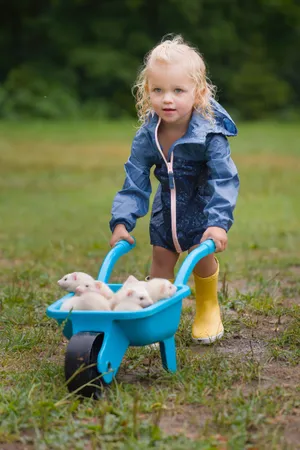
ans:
(121, 329)
(152, 324)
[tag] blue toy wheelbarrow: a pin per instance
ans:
(99, 339)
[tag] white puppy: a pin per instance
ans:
(157, 288)
(160, 288)
(70, 281)
(134, 293)
(96, 286)
(86, 299)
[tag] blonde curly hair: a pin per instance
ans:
(168, 51)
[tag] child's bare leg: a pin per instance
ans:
(163, 263)
(206, 266)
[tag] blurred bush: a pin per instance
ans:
(73, 58)
(258, 92)
(26, 94)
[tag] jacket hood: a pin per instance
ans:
(223, 119)
(200, 127)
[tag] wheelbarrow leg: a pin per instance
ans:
(114, 346)
(168, 354)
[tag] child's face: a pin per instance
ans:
(171, 91)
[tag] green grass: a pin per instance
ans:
(57, 184)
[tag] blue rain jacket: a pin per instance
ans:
(206, 181)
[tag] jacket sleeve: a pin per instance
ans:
(223, 182)
(132, 201)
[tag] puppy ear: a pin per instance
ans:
(129, 293)
(98, 285)
(131, 279)
(79, 290)
(74, 276)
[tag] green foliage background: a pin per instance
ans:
(75, 58)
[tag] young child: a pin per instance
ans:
(183, 134)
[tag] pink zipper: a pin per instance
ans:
(172, 186)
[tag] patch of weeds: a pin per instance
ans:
(142, 361)
(223, 293)
(251, 369)
(217, 372)
(231, 323)
(291, 291)
(183, 335)
(237, 303)
(265, 299)
(286, 347)
(256, 302)
(246, 419)
(249, 320)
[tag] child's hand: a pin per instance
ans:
(218, 235)
(120, 233)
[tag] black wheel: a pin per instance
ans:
(81, 371)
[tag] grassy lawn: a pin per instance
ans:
(58, 181)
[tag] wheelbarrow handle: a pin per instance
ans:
(120, 249)
(204, 249)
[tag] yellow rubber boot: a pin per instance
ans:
(207, 326)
